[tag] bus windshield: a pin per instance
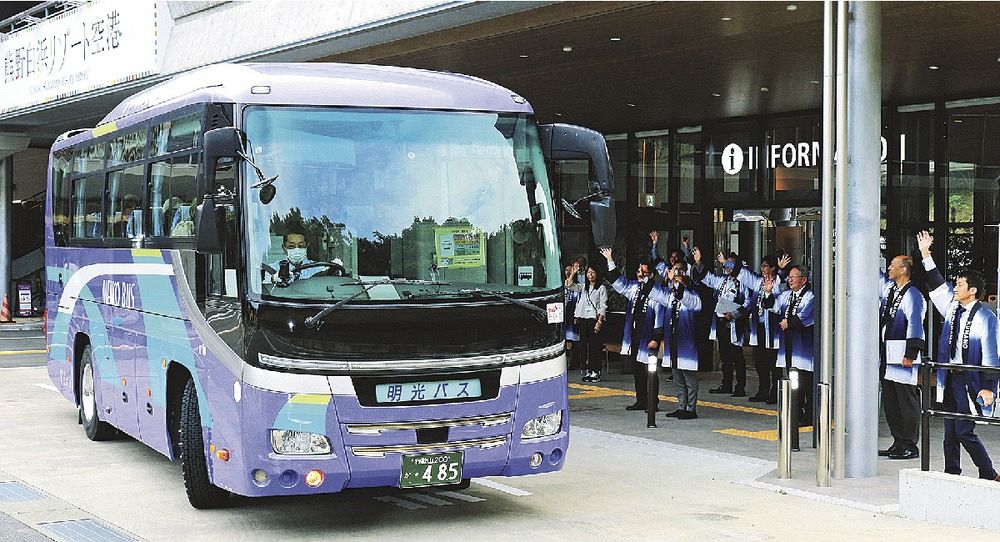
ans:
(379, 205)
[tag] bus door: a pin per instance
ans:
(124, 342)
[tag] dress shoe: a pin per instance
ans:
(758, 399)
(771, 401)
(675, 414)
(719, 390)
(739, 393)
(997, 479)
(888, 451)
(635, 406)
(905, 454)
(687, 415)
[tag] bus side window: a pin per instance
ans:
(222, 267)
(124, 214)
(61, 196)
(88, 194)
(173, 196)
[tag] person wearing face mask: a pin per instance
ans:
(295, 250)
(589, 315)
(643, 325)
(968, 337)
(680, 350)
(731, 325)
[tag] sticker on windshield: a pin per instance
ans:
(555, 312)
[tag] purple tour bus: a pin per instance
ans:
(301, 278)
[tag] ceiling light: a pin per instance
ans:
(764, 89)
(933, 68)
(567, 48)
(522, 56)
(558, 114)
(616, 38)
(814, 82)
(630, 105)
(716, 94)
(727, 19)
(791, 7)
(957, 121)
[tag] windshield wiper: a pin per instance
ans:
(540, 314)
(316, 321)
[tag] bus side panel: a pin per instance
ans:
(59, 340)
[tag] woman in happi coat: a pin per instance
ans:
(764, 326)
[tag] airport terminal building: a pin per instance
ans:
(712, 110)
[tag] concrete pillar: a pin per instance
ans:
(6, 196)
(9, 144)
(861, 243)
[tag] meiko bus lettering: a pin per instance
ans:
(787, 155)
(372, 294)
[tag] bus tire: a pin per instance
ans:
(90, 412)
(200, 491)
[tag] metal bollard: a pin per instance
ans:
(822, 432)
(784, 429)
(651, 390)
(794, 407)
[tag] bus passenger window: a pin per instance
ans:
(172, 196)
(87, 195)
(125, 188)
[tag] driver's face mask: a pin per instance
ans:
(296, 255)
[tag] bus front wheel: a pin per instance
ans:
(200, 491)
(89, 410)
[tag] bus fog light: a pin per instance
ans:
(260, 477)
(536, 460)
(543, 426)
(314, 478)
(288, 442)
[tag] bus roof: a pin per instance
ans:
(315, 83)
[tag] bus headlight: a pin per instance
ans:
(288, 442)
(543, 426)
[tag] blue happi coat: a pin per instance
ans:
(978, 346)
(651, 327)
(905, 322)
(800, 326)
(755, 282)
(680, 312)
(735, 290)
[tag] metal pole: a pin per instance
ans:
(840, 280)
(822, 430)
(784, 429)
(651, 390)
(823, 446)
(793, 406)
(6, 208)
(860, 246)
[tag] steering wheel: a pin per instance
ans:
(333, 269)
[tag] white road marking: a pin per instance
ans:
(459, 496)
(402, 503)
(49, 387)
(429, 499)
(501, 487)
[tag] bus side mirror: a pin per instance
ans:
(568, 142)
(220, 143)
(210, 227)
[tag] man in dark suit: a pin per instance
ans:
(969, 336)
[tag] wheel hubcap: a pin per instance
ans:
(89, 402)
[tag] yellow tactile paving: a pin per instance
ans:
(16, 352)
(594, 392)
(767, 434)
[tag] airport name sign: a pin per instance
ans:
(96, 45)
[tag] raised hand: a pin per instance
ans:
(784, 260)
(697, 255)
(606, 252)
(720, 257)
(924, 242)
(684, 241)
(670, 274)
(654, 236)
(768, 284)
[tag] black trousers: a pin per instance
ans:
(591, 343)
(962, 433)
(765, 360)
(807, 397)
(640, 372)
(901, 403)
(733, 361)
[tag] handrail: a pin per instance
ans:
(926, 412)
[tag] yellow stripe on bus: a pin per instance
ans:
(310, 399)
(146, 252)
(104, 129)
